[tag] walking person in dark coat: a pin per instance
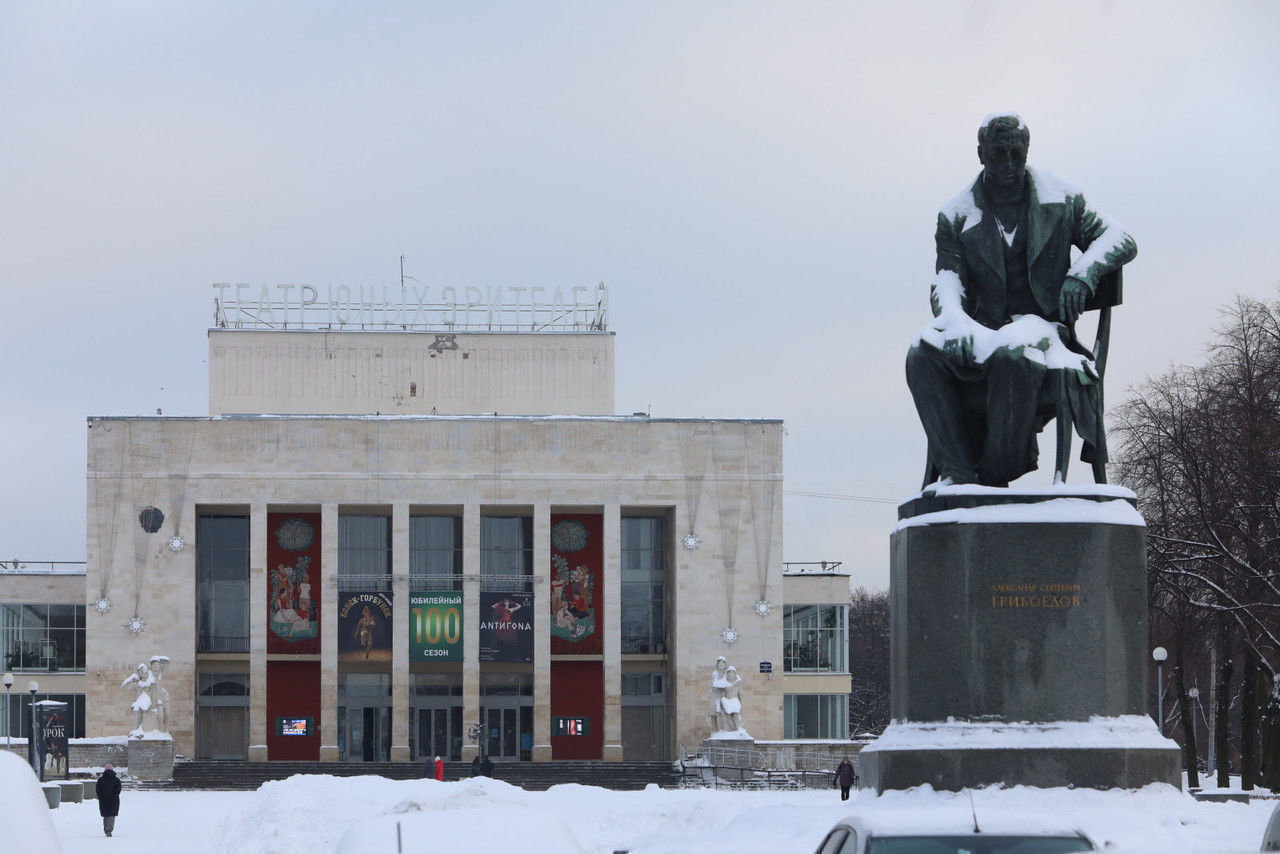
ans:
(108, 789)
(844, 777)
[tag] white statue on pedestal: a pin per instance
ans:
(725, 699)
(152, 697)
(141, 681)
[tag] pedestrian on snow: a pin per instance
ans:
(475, 766)
(439, 769)
(108, 789)
(486, 767)
(844, 778)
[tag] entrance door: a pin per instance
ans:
(368, 734)
(437, 735)
(223, 732)
(502, 731)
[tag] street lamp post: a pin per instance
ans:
(1159, 654)
(33, 686)
(8, 724)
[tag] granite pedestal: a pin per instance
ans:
(1012, 607)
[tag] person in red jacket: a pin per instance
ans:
(439, 769)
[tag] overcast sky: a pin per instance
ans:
(756, 182)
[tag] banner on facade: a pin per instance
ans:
(364, 627)
(576, 595)
(51, 739)
(293, 583)
(506, 627)
(435, 626)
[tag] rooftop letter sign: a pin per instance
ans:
(421, 308)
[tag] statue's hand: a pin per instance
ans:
(957, 331)
(1071, 300)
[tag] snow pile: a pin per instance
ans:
(28, 825)
(312, 814)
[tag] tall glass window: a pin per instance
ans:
(364, 550)
(506, 548)
(435, 548)
(222, 579)
(644, 578)
(815, 638)
(815, 716)
(43, 638)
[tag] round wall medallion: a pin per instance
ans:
(729, 635)
(176, 543)
(135, 625)
(763, 607)
(103, 605)
(691, 541)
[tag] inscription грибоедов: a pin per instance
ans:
(1032, 595)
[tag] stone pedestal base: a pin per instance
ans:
(1105, 753)
(151, 759)
(257, 753)
(329, 753)
(1011, 606)
(400, 753)
(611, 753)
(541, 753)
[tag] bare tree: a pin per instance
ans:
(1201, 448)
(868, 661)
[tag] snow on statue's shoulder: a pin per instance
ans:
(1050, 189)
(963, 206)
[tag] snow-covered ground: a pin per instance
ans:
(311, 814)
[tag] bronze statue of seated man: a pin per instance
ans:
(1005, 300)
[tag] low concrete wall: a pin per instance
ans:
(151, 759)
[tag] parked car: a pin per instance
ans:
(948, 830)
(1271, 836)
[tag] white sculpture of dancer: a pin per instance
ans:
(731, 703)
(141, 681)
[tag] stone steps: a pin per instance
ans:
(527, 775)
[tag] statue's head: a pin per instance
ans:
(721, 662)
(1003, 140)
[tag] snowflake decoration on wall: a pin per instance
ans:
(763, 607)
(690, 541)
(729, 635)
(294, 534)
(176, 543)
(103, 605)
(135, 625)
(568, 536)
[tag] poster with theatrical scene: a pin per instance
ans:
(293, 588)
(435, 626)
(576, 595)
(506, 627)
(51, 739)
(364, 627)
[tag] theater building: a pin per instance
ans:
(416, 530)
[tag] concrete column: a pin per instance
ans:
(612, 633)
(470, 626)
(400, 633)
(542, 633)
(258, 632)
(329, 634)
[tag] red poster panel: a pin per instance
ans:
(293, 583)
(577, 594)
(293, 696)
(577, 692)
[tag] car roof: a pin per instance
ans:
(956, 821)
